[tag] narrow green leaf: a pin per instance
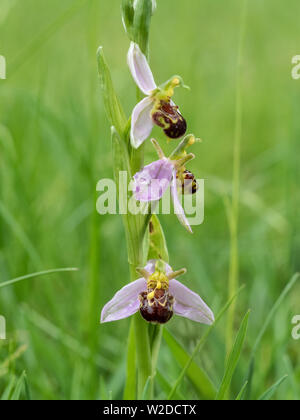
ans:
(103, 390)
(292, 376)
(40, 273)
(8, 390)
(71, 343)
(21, 235)
(271, 391)
(233, 358)
(120, 158)
(143, 354)
(158, 246)
(200, 344)
(19, 388)
(27, 388)
(198, 377)
(128, 16)
(271, 315)
(166, 387)
(141, 24)
(113, 108)
(130, 386)
(264, 328)
(241, 393)
(146, 391)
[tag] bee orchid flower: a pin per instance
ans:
(158, 296)
(157, 108)
(150, 184)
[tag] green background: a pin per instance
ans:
(55, 146)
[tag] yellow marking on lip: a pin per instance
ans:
(150, 295)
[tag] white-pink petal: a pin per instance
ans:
(189, 304)
(150, 267)
(140, 69)
(177, 205)
(153, 180)
(141, 122)
(125, 302)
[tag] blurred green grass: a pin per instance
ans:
(55, 146)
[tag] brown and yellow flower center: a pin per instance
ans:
(188, 182)
(156, 303)
(167, 116)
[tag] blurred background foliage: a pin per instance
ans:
(55, 146)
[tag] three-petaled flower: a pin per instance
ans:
(153, 180)
(157, 295)
(157, 108)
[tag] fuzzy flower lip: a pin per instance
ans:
(185, 302)
(153, 180)
(157, 108)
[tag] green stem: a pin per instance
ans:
(142, 345)
(234, 217)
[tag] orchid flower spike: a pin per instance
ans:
(157, 295)
(150, 184)
(157, 108)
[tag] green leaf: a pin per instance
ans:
(8, 390)
(166, 387)
(200, 345)
(198, 377)
(130, 386)
(271, 391)
(141, 24)
(113, 108)
(158, 246)
(40, 273)
(103, 390)
(241, 393)
(146, 391)
(27, 388)
(128, 16)
(233, 358)
(19, 388)
(120, 158)
(143, 354)
(265, 326)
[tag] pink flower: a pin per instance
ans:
(153, 180)
(157, 108)
(157, 295)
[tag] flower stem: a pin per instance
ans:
(234, 207)
(142, 345)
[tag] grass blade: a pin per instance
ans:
(164, 383)
(38, 274)
(8, 390)
(21, 235)
(130, 386)
(265, 326)
(270, 317)
(19, 388)
(115, 113)
(201, 343)
(241, 394)
(271, 391)
(233, 358)
(234, 205)
(146, 391)
(197, 376)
